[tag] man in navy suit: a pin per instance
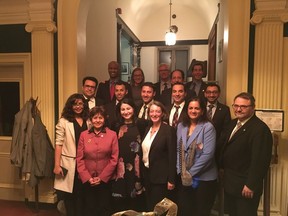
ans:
(245, 158)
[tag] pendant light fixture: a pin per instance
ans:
(170, 37)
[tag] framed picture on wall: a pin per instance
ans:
(125, 68)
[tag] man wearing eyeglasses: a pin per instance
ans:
(217, 112)
(245, 158)
(89, 85)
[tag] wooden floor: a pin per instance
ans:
(15, 208)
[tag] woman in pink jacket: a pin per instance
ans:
(97, 157)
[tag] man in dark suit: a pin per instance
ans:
(175, 110)
(197, 84)
(164, 83)
(245, 158)
(147, 95)
(112, 108)
(89, 86)
(219, 115)
(105, 93)
(217, 112)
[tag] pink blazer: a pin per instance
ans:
(97, 155)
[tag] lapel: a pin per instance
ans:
(193, 136)
(157, 138)
(242, 130)
(71, 130)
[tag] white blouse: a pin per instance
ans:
(146, 144)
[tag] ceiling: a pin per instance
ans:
(148, 19)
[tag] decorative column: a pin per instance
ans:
(42, 29)
(269, 18)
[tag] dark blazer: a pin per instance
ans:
(246, 156)
(202, 88)
(162, 156)
(113, 115)
(221, 118)
(157, 91)
(166, 96)
(103, 93)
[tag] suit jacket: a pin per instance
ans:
(113, 114)
(204, 166)
(202, 88)
(162, 155)
(65, 137)
(103, 93)
(221, 118)
(97, 155)
(246, 156)
(157, 91)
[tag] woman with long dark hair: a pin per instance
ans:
(196, 166)
(74, 120)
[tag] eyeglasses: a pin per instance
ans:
(88, 86)
(211, 92)
(235, 106)
(78, 105)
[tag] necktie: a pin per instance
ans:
(209, 112)
(112, 89)
(144, 112)
(238, 126)
(165, 86)
(192, 87)
(175, 117)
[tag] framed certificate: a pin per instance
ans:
(273, 118)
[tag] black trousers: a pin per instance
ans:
(239, 206)
(74, 202)
(198, 201)
(154, 192)
(98, 200)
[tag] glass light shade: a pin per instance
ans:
(170, 38)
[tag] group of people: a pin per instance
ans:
(129, 145)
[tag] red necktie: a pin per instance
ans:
(112, 89)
